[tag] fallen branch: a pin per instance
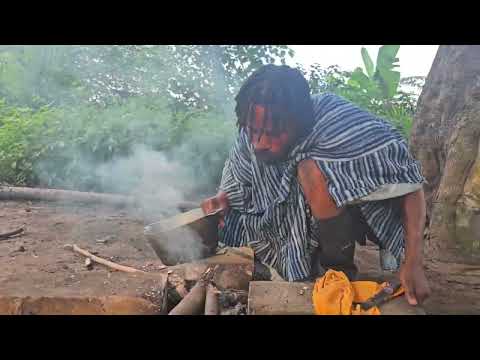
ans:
(11, 233)
(37, 194)
(99, 260)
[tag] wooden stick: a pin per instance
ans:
(193, 303)
(11, 233)
(211, 300)
(164, 310)
(99, 260)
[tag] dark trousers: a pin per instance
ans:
(337, 237)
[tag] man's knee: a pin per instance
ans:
(315, 189)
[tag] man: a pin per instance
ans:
(310, 176)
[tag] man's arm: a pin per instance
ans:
(412, 274)
(229, 193)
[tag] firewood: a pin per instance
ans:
(211, 300)
(194, 302)
(234, 272)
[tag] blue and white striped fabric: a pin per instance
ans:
(357, 152)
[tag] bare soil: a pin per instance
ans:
(36, 263)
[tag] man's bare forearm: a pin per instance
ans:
(414, 214)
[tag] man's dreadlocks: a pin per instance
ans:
(283, 91)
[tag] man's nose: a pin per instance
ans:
(263, 143)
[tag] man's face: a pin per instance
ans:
(269, 146)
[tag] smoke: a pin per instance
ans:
(162, 184)
(159, 185)
(134, 146)
(177, 246)
(159, 180)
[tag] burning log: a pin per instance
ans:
(194, 302)
(164, 305)
(234, 271)
(211, 300)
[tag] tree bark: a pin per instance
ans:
(445, 139)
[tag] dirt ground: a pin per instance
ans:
(37, 264)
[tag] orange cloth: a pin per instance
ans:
(334, 294)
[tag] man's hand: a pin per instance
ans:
(216, 203)
(412, 274)
(414, 282)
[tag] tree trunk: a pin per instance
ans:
(36, 194)
(14, 193)
(445, 139)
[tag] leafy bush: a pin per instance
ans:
(63, 148)
(21, 134)
(377, 89)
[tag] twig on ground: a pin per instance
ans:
(99, 260)
(11, 233)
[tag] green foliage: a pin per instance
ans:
(367, 61)
(380, 81)
(20, 132)
(68, 111)
(64, 148)
(74, 108)
(376, 89)
(201, 76)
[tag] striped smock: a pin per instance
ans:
(359, 154)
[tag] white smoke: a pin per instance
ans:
(159, 185)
